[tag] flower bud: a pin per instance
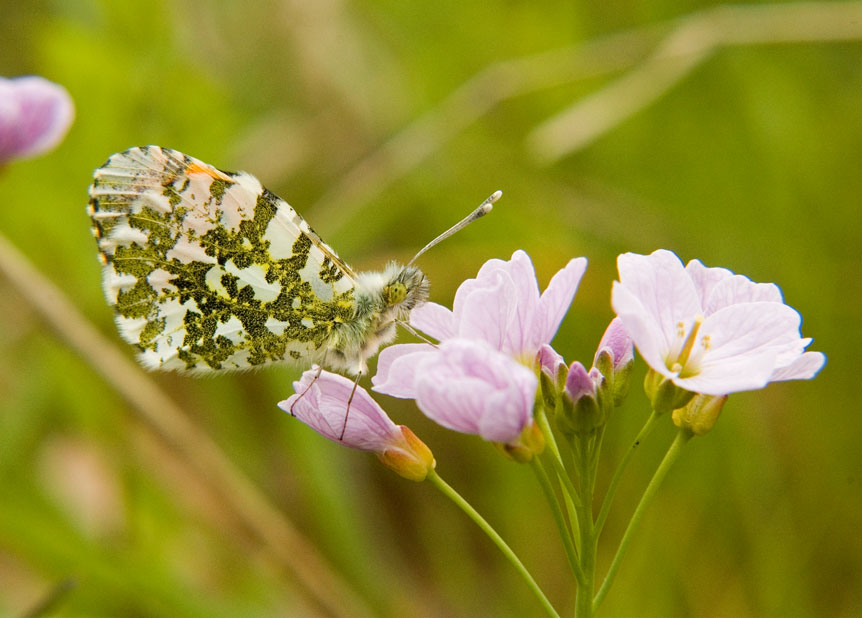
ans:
(615, 360)
(664, 395)
(345, 413)
(581, 409)
(548, 391)
(411, 459)
(531, 442)
(700, 414)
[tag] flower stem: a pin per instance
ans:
(649, 493)
(559, 518)
(570, 495)
(465, 506)
(618, 475)
(585, 461)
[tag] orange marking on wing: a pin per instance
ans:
(197, 168)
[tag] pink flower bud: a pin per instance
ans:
(321, 402)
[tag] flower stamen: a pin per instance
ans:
(678, 364)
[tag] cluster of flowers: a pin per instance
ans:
(704, 332)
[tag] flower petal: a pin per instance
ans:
(396, 369)
(665, 291)
(434, 320)
(470, 387)
(557, 298)
(321, 402)
(744, 343)
(644, 330)
(488, 313)
(719, 287)
(803, 368)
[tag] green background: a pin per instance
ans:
(751, 162)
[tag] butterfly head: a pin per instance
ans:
(407, 288)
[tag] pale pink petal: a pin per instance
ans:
(645, 331)
(705, 278)
(741, 329)
(500, 305)
(470, 387)
(525, 333)
(744, 342)
(434, 320)
(489, 313)
(803, 368)
(396, 369)
(664, 289)
(733, 374)
(320, 402)
(556, 299)
(488, 275)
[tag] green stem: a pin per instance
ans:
(649, 493)
(559, 518)
(570, 495)
(594, 460)
(585, 459)
(465, 506)
(541, 418)
(618, 475)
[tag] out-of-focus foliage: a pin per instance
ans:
(751, 162)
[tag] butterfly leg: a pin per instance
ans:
(349, 400)
(302, 394)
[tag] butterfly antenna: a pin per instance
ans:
(483, 209)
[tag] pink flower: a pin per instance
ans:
(480, 379)
(35, 115)
(464, 385)
(502, 306)
(321, 402)
(708, 330)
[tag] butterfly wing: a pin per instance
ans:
(207, 269)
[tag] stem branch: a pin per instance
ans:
(465, 506)
(649, 493)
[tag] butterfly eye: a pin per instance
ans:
(394, 293)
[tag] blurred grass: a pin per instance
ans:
(751, 162)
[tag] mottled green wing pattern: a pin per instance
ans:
(208, 270)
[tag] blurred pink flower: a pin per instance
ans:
(463, 385)
(35, 115)
(708, 330)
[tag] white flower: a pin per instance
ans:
(708, 330)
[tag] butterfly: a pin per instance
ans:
(207, 270)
